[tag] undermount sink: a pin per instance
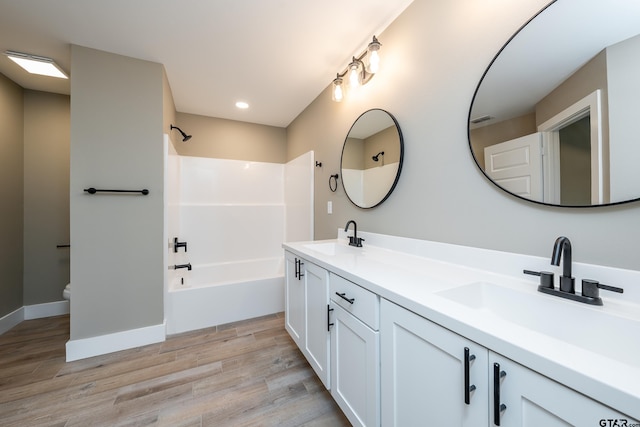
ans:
(333, 248)
(609, 333)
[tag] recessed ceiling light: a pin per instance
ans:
(36, 64)
(242, 105)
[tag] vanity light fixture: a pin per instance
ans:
(358, 73)
(35, 64)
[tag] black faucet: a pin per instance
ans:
(590, 288)
(354, 240)
(187, 266)
(562, 248)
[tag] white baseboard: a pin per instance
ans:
(12, 319)
(48, 309)
(29, 312)
(103, 344)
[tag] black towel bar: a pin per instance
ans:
(63, 246)
(94, 191)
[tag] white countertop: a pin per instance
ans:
(412, 273)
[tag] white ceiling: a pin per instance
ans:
(277, 55)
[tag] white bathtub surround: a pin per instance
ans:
(418, 275)
(377, 179)
(232, 214)
(298, 198)
(171, 210)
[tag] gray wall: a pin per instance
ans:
(46, 196)
(230, 139)
(623, 68)
(11, 207)
(433, 57)
(168, 109)
(117, 268)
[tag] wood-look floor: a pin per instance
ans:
(249, 373)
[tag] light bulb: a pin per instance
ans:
(354, 75)
(337, 93)
(374, 62)
(374, 56)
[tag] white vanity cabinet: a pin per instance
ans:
(307, 312)
(316, 342)
(424, 382)
(355, 351)
(294, 298)
(522, 397)
(424, 367)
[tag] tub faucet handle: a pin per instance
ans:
(177, 245)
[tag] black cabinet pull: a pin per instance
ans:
(298, 269)
(498, 408)
(342, 295)
(329, 324)
(468, 388)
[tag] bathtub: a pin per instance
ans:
(215, 294)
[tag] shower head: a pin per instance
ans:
(375, 158)
(185, 137)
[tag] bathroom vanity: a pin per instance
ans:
(409, 332)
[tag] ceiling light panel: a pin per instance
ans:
(36, 64)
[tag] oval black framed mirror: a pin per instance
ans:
(371, 158)
(552, 120)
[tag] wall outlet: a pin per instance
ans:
(329, 207)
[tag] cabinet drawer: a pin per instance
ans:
(365, 305)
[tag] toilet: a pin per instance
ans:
(66, 294)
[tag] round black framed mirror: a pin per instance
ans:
(552, 120)
(371, 158)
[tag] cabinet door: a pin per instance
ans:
(355, 368)
(294, 298)
(317, 337)
(532, 400)
(423, 373)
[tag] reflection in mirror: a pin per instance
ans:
(371, 158)
(553, 117)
